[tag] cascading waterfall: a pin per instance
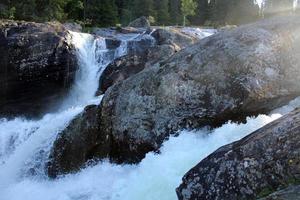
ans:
(25, 145)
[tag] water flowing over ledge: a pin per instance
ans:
(25, 144)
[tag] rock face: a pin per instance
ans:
(131, 64)
(249, 70)
(141, 54)
(173, 36)
(261, 163)
(141, 22)
(81, 133)
(37, 65)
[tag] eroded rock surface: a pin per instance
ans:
(261, 163)
(37, 66)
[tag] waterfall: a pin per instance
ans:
(25, 145)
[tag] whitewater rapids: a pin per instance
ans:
(25, 146)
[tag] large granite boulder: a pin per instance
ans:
(37, 66)
(246, 71)
(81, 133)
(141, 22)
(142, 53)
(256, 166)
(133, 63)
(174, 36)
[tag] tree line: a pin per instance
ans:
(160, 12)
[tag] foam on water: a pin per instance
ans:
(156, 177)
(25, 144)
(198, 32)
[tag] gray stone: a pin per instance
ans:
(37, 66)
(256, 166)
(229, 76)
(141, 22)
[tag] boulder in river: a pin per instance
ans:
(141, 22)
(260, 165)
(143, 52)
(37, 66)
(229, 76)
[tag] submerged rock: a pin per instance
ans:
(37, 66)
(256, 166)
(246, 71)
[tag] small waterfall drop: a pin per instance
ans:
(25, 144)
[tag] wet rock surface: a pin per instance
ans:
(256, 166)
(81, 135)
(246, 71)
(37, 66)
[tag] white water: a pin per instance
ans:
(262, 3)
(25, 145)
(198, 32)
(156, 177)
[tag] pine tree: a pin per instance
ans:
(125, 10)
(162, 11)
(25, 10)
(175, 11)
(188, 8)
(101, 12)
(74, 9)
(143, 8)
(202, 13)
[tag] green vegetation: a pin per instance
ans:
(162, 12)
(188, 8)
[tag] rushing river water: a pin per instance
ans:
(25, 146)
